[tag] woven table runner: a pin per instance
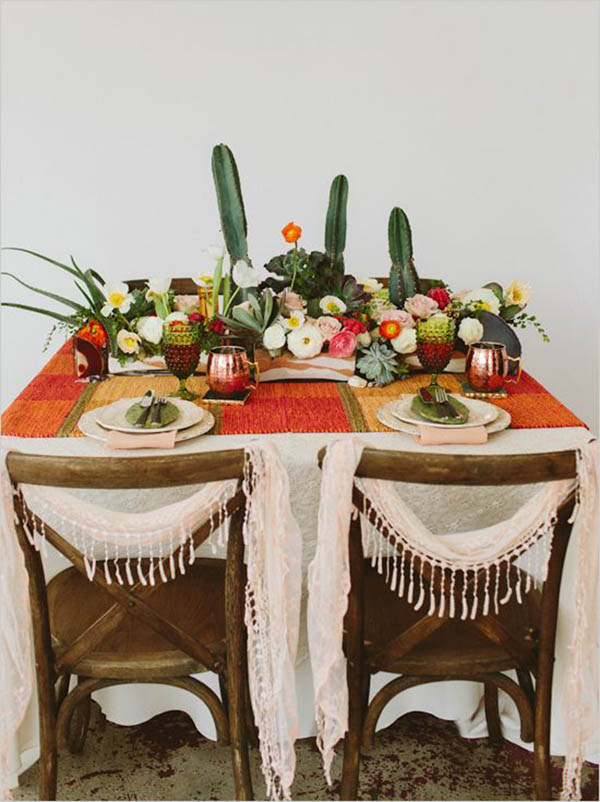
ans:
(53, 402)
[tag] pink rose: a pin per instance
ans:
(403, 318)
(343, 343)
(421, 306)
(292, 302)
(328, 326)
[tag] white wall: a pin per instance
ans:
(479, 118)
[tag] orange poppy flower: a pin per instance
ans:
(291, 232)
(93, 332)
(389, 329)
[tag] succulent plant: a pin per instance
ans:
(265, 312)
(335, 224)
(404, 280)
(379, 363)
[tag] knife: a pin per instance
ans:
(146, 405)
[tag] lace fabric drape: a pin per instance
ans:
(408, 544)
(142, 547)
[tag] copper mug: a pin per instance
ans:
(228, 370)
(487, 366)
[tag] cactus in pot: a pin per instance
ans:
(335, 224)
(404, 280)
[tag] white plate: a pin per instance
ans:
(480, 413)
(112, 416)
(90, 427)
(386, 415)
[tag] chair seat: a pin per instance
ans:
(195, 602)
(457, 647)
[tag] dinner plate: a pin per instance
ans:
(90, 427)
(112, 416)
(480, 413)
(386, 415)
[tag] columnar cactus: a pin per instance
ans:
(231, 204)
(335, 223)
(404, 280)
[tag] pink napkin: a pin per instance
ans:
(158, 440)
(434, 436)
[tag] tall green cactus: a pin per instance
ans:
(231, 204)
(404, 280)
(335, 223)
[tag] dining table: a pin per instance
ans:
(301, 417)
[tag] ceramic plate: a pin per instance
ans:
(386, 415)
(112, 416)
(480, 413)
(90, 427)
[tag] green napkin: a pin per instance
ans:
(428, 411)
(168, 414)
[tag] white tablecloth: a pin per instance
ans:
(442, 509)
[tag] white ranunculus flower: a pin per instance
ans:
(157, 287)
(305, 342)
(485, 299)
(405, 342)
(203, 279)
(295, 321)
(330, 305)
(117, 297)
(519, 293)
(128, 341)
(274, 337)
(180, 316)
(245, 275)
(216, 252)
(364, 339)
(151, 329)
(371, 285)
(470, 330)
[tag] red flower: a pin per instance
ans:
(440, 295)
(291, 232)
(196, 317)
(356, 326)
(343, 343)
(389, 329)
(93, 332)
(217, 326)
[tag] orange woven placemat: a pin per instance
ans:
(53, 402)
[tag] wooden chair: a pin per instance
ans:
(384, 633)
(110, 634)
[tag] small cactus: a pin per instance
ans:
(231, 204)
(404, 280)
(335, 223)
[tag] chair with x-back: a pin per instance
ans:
(106, 632)
(383, 632)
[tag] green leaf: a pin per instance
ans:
(509, 312)
(246, 319)
(87, 297)
(496, 289)
(252, 299)
(217, 275)
(267, 299)
(46, 259)
(66, 301)
(96, 293)
(71, 321)
(313, 309)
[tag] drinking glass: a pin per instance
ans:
(435, 343)
(181, 350)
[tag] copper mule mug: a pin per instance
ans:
(487, 366)
(228, 370)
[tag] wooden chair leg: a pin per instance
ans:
(492, 714)
(236, 658)
(62, 690)
(47, 719)
(79, 723)
(541, 764)
(355, 667)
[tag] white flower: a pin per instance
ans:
(405, 342)
(470, 330)
(216, 252)
(128, 341)
(181, 316)
(305, 342)
(519, 293)
(117, 297)
(157, 287)
(150, 329)
(484, 299)
(364, 339)
(203, 279)
(331, 305)
(371, 285)
(274, 337)
(245, 275)
(295, 321)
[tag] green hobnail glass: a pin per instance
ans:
(181, 350)
(435, 343)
